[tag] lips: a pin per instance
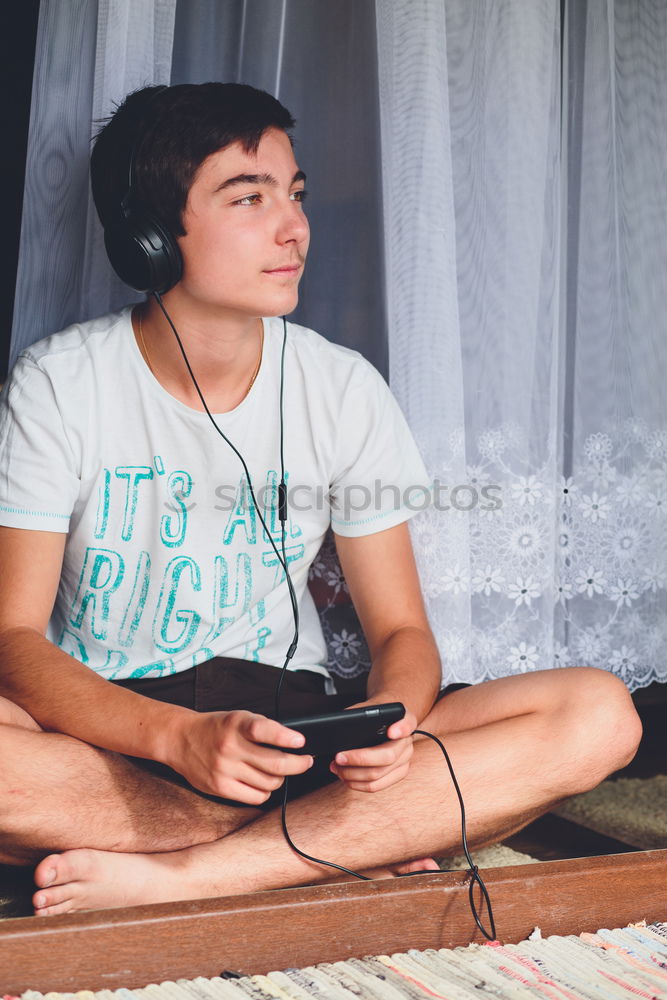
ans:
(285, 269)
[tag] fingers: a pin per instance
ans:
(403, 728)
(245, 782)
(276, 763)
(374, 768)
(260, 768)
(245, 738)
(259, 729)
(248, 794)
(373, 781)
(226, 755)
(397, 730)
(382, 756)
(253, 786)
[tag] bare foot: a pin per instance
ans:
(87, 879)
(418, 865)
(406, 868)
(391, 871)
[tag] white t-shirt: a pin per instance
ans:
(166, 563)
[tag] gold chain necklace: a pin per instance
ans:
(252, 378)
(259, 365)
(143, 344)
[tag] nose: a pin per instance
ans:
(293, 226)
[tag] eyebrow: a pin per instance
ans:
(257, 179)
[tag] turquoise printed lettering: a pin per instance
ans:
(101, 574)
(257, 612)
(240, 602)
(159, 464)
(165, 608)
(136, 604)
(158, 667)
(103, 505)
(243, 516)
(172, 529)
(202, 655)
(293, 529)
(113, 664)
(70, 643)
(292, 553)
(133, 474)
(251, 653)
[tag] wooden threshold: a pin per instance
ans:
(131, 947)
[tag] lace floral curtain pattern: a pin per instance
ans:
(550, 394)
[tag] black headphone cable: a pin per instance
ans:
(282, 558)
(282, 488)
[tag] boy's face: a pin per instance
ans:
(246, 233)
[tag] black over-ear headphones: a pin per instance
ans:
(142, 251)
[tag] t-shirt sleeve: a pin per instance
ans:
(39, 483)
(380, 479)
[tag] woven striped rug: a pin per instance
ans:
(630, 809)
(631, 962)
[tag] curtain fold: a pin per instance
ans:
(320, 60)
(89, 55)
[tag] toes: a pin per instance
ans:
(58, 880)
(54, 911)
(57, 869)
(46, 872)
(418, 865)
(425, 864)
(49, 902)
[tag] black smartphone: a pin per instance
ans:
(350, 729)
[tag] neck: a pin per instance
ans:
(224, 353)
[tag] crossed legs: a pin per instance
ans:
(57, 792)
(518, 745)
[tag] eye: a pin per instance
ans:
(249, 199)
(299, 195)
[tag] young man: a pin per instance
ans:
(143, 620)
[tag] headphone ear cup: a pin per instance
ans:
(144, 254)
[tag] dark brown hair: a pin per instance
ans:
(157, 139)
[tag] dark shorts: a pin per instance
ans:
(223, 684)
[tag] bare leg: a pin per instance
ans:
(58, 793)
(518, 745)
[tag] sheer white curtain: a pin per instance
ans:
(320, 60)
(89, 55)
(613, 535)
(526, 341)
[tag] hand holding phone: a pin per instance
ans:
(350, 729)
